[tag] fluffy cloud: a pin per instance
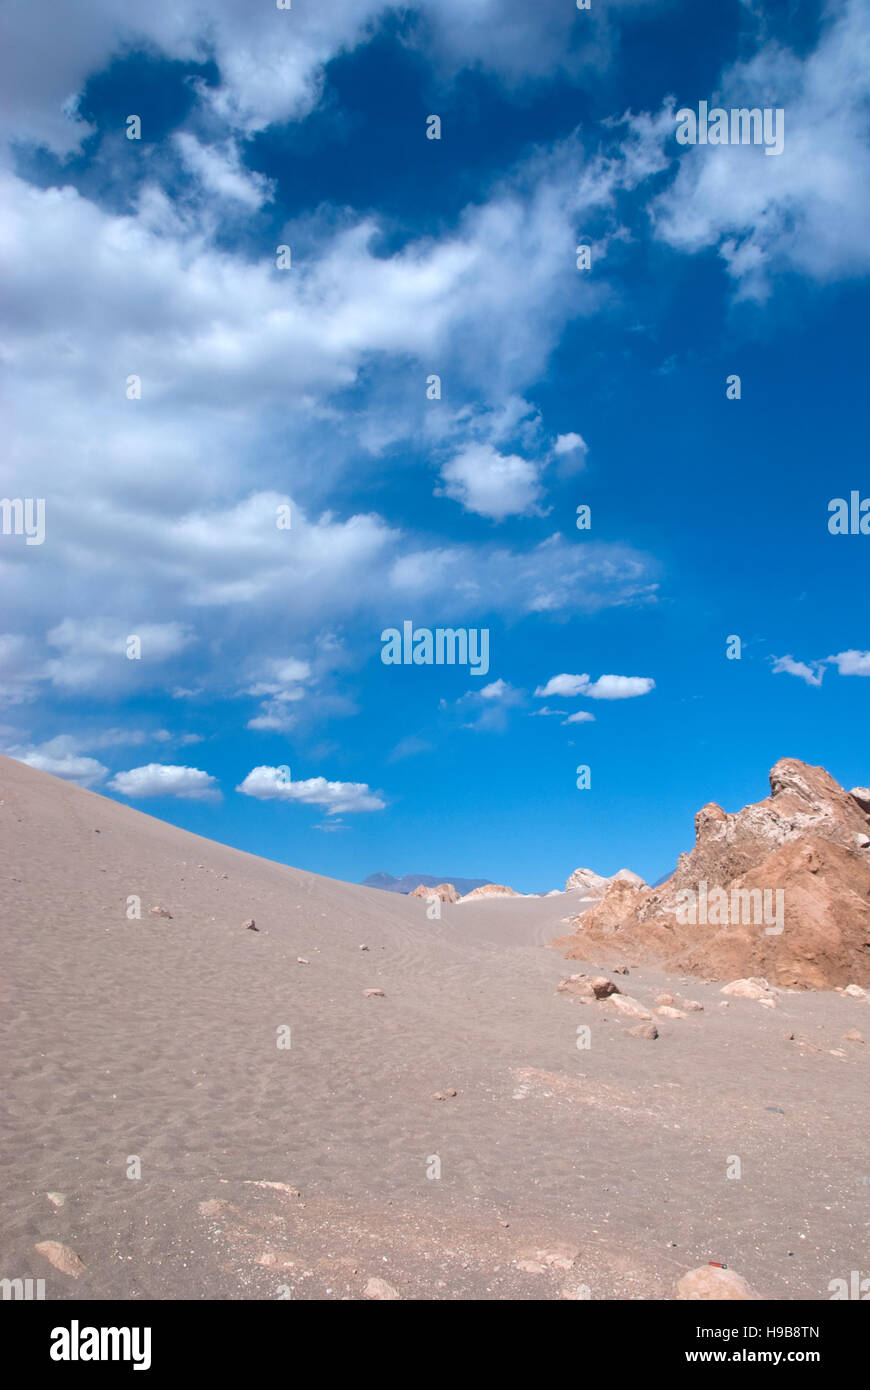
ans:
(57, 758)
(492, 484)
(338, 798)
(93, 652)
(225, 348)
(807, 209)
(64, 755)
(619, 687)
(581, 717)
(570, 450)
(852, 663)
(220, 171)
(605, 688)
(284, 687)
(271, 61)
(487, 710)
(162, 779)
(812, 675)
(848, 663)
(563, 685)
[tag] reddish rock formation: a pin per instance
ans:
(445, 891)
(806, 846)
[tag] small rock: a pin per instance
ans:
(667, 1012)
(450, 1091)
(665, 999)
(437, 1096)
(644, 1030)
(380, 1289)
(161, 912)
(531, 1267)
(853, 1036)
(628, 1006)
(856, 992)
(364, 948)
(250, 925)
(691, 1006)
(373, 993)
(300, 960)
(575, 984)
(603, 988)
(709, 1282)
(620, 970)
(64, 1259)
(57, 1199)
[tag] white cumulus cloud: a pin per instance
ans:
(338, 798)
(162, 779)
(564, 685)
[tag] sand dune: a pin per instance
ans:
(267, 1171)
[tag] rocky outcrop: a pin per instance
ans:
(592, 885)
(779, 890)
(445, 891)
(491, 890)
(586, 882)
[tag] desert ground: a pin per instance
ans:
(270, 1171)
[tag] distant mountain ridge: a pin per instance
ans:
(409, 882)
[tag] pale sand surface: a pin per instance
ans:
(157, 1038)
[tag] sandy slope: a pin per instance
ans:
(157, 1038)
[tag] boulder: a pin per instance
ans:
(712, 1282)
(748, 989)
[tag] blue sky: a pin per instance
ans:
(305, 388)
